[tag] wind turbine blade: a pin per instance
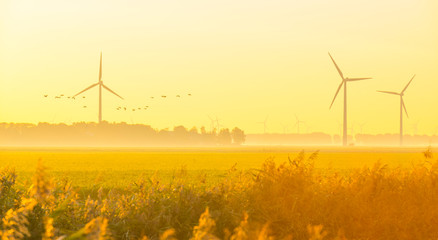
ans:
(100, 68)
(339, 88)
(86, 89)
(357, 79)
(389, 92)
(408, 84)
(404, 107)
(107, 88)
(336, 65)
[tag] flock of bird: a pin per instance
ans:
(119, 108)
(61, 96)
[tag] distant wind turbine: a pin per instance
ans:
(218, 124)
(344, 84)
(352, 131)
(211, 123)
(265, 124)
(285, 128)
(435, 131)
(362, 127)
(415, 127)
(298, 123)
(402, 106)
(100, 84)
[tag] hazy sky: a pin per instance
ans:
(241, 61)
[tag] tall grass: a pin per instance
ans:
(292, 200)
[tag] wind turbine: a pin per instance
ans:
(297, 123)
(352, 131)
(211, 123)
(285, 128)
(362, 125)
(415, 127)
(402, 106)
(264, 124)
(218, 124)
(344, 84)
(100, 84)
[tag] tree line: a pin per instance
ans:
(114, 134)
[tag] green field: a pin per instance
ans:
(112, 167)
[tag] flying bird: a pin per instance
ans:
(163, 96)
(178, 96)
(46, 95)
(84, 106)
(189, 94)
(83, 96)
(152, 97)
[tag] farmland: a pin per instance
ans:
(219, 193)
(115, 167)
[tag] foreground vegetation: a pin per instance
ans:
(290, 200)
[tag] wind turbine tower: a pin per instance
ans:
(211, 123)
(264, 124)
(298, 123)
(344, 82)
(402, 106)
(218, 124)
(100, 84)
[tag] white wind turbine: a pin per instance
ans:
(402, 106)
(100, 84)
(344, 84)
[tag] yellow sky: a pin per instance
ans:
(241, 61)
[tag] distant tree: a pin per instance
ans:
(203, 131)
(180, 130)
(238, 136)
(224, 137)
(193, 130)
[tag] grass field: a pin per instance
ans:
(113, 167)
(195, 193)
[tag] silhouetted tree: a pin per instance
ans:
(238, 136)
(203, 131)
(224, 137)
